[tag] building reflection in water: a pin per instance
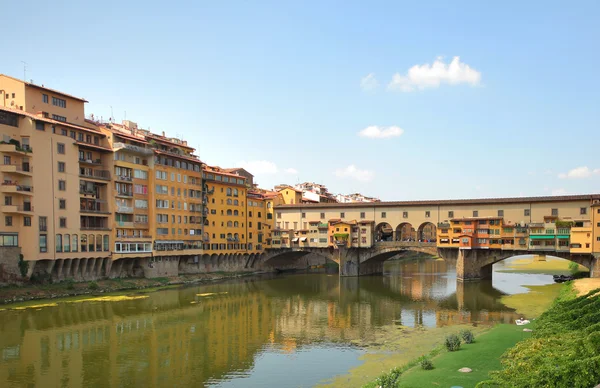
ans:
(180, 338)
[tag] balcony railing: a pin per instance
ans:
(91, 161)
(125, 193)
(146, 236)
(20, 167)
(125, 224)
(93, 208)
(94, 227)
(96, 174)
(124, 209)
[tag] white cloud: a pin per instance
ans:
(259, 167)
(432, 76)
(579, 173)
(560, 191)
(376, 132)
(352, 172)
(291, 171)
(369, 82)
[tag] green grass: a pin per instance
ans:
(482, 356)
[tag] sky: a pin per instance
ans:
(398, 100)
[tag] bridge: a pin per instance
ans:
(471, 264)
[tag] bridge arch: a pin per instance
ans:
(406, 232)
(384, 232)
(426, 232)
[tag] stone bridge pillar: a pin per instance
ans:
(349, 260)
(472, 265)
(595, 267)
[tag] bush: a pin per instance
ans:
(93, 286)
(389, 380)
(452, 343)
(23, 266)
(426, 363)
(573, 267)
(69, 284)
(467, 336)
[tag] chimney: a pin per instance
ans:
(163, 132)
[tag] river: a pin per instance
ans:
(292, 330)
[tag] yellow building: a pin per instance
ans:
(290, 195)
(56, 181)
(581, 237)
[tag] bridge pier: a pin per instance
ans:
(472, 264)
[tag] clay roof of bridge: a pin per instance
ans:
(444, 202)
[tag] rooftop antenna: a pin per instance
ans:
(24, 70)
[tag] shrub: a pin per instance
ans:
(93, 286)
(23, 266)
(69, 284)
(426, 364)
(389, 380)
(467, 336)
(573, 267)
(452, 343)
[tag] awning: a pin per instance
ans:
(168, 242)
(563, 236)
(302, 239)
(295, 239)
(542, 237)
(444, 240)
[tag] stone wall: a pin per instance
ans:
(9, 265)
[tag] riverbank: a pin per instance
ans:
(69, 288)
(482, 357)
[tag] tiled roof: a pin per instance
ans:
(45, 88)
(178, 156)
(478, 201)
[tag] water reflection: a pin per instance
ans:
(240, 333)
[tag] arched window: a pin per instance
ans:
(229, 191)
(59, 246)
(84, 246)
(235, 192)
(105, 243)
(229, 201)
(229, 224)
(229, 235)
(235, 224)
(229, 212)
(67, 243)
(236, 202)
(235, 213)
(98, 243)
(268, 205)
(236, 236)
(74, 243)
(91, 243)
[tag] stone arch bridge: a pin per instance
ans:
(470, 264)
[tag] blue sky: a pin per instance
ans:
(284, 87)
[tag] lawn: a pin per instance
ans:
(482, 357)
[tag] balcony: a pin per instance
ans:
(17, 209)
(94, 227)
(124, 209)
(13, 188)
(93, 162)
(127, 194)
(95, 174)
(140, 224)
(17, 168)
(15, 148)
(124, 224)
(124, 178)
(129, 237)
(93, 207)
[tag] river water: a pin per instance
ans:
(291, 330)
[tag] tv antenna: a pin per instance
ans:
(24, 70)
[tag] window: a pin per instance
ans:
(72, 134)
(279, 215)
(7, 200)
(500, 213)
(62, 204)
(67, 242)
(61, 166)
(322, 216)
(62, 185)
(74, 243)
(427, 214)
(404, 214)
(43, 224)
(43, 242)
(39, 125)
(303, 215)
(140, 174)
(59, 102)
(105, 241)
(59, 118)
(229, 191)
(62, 222)
(555, 212)
(59, 246)
(162, 175)
(527, 212)
(45, 98)
(8, 220)
(362, 214)
(60, 148)
(141, 204)
(383, 214)
(583, 210)
(475, 213)
(26, 221)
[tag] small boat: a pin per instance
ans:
(562, 278)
